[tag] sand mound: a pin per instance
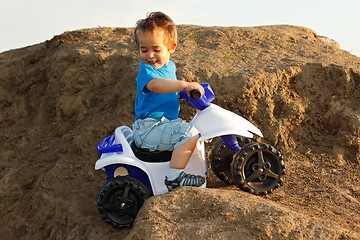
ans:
(216, 215)
(60, 97)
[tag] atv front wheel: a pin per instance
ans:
(258, 168)
(120, 200)
(221, 158)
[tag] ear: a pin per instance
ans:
(172, 48)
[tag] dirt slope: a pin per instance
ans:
(60, 97)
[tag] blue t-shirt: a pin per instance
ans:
(155, 105)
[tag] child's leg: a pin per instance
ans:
(181, 155)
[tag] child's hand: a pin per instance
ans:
(191, 86)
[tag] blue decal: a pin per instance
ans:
(134, 172)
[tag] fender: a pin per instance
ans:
(156, 186)
(108, 159)
(216, 121)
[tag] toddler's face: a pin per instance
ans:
(152, 48)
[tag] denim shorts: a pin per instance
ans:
(162, 135)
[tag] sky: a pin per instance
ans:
(28, 22)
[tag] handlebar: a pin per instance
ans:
(195, 94)
(195, 98)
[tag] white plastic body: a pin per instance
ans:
(216, 121)
(155, 171)
(212, 122)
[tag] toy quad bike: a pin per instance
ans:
(135, 174)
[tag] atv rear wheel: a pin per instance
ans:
(120, 200)
(258, 168)
(221, 159)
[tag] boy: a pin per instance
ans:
(157, 125)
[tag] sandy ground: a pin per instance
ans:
(60, 97)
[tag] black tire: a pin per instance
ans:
(120, 200)
(258, 168)
(221, 159)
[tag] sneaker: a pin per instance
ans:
(184, 179)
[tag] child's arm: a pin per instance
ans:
(163, 85)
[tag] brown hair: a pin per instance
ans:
(155, 21)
